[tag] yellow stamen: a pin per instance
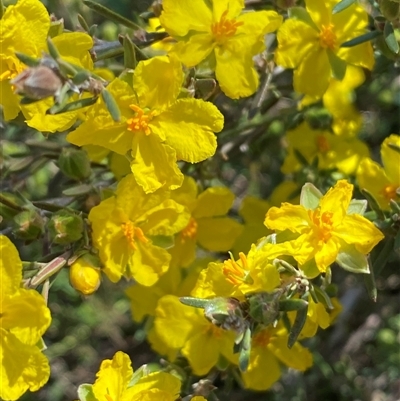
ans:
(322, 223)
(5, 75)
(190, 231)
(322, 144)
(235, 273)
(108, 397)
(389, 192)
(133, 234)
(327, 37)
(141, 120)
(225, 28)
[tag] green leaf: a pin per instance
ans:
(129, 53)
(195, 302)
(299, 156)
(357, 206)
(80, 77)
(79, 190)
(85, 392)
(28, 60)
(342, 5)
(301, 14)
(390, 38)
(298, 324)
(56, 28)
(111, 15)
(361, 39)
(370, 284)
(353, 261)
(111, 105)
(83, 23)
(78, 104)
(287, 305)
(323, 297)
(245, 349)
(373, 203)
(337, 64)
(310, 196)
(52, 49)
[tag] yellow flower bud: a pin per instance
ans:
(84, 276)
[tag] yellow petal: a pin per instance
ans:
(215, 201)
(113, 377)
(337, 200)
(157, 82)
(189, 126)
(181, 16)
(320, 12)
(10, 267)
(23, 367)
(9, 101)
(194, 50)
(391, 159)
(288, 216)
(234, 8)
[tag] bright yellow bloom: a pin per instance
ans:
(124, 227)
(252, 273)
(185, 328)
(331, 151)
(156, 128)
(382, 182)
(24, 317)
(209, 226)
(23, 28)
(85, 275)
(74, 48)
(312, 45)
(268, 350)
(328, 230)
(218, 32)
(113, 383)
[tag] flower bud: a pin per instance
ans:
(74, 163)
(390, 9)
(28, 225)
(264, 306)
(65, 227)
(37, 83)
(84, 275)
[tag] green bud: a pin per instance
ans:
(65, 227)
(74, 163)
(318, 118)
(264, 306)
(29, 225)
(389, 9)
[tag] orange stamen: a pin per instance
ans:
(225, 28)
(322, 144)
(390, 192)
(262, 338)
(235, 273)
(133, 234)
(327, 37)
(322, 223)
(190, 231)
(141, 120)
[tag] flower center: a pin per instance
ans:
(236, 273)
(327, 38)
(322, 223)
(133, 234)
(213, 331)
(225, 28)
(322, 144)
(141, 120)
(390, 192)
(14, 67)
(190, 231)
(262, 338)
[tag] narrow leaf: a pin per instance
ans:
(338, 65)
(245, 349)
(78, 190)
(83, 23)
(342, 5)
(111, 105)
(370, 284)
(390, 37)
(373, 203)
(361, 39)
(195, 302)
(52, 49)
(287, 305)
(129, 54)
(80, 77)
(29, 61)
(323, 297)
(110, 15)
(298, 324)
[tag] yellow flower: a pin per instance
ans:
(23, 28)
(155, 127)
(85, 275)
(125, 227)
(185, 328)
(24, 317)
(382, 183)
(74, 48)
(113, 383)
(218, 32)
(311, 45)
(208, 226)
(331, 151)
(268, 350)
(328, 229)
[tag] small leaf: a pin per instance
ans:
(298, 324)
(29, 61)
(52, 49)
(83, 23)
(323, 297)
(20, 163)
(300, 157)
(338, 65)
(85, 392)
(195, 302)
(56, 28)
(245, 349)
(361, 39)
(78, 190)
(357, 206)
(342, 5)
(310, 196)
(129, 54)
(373, 203)
(78, 104)
(111, 105)
(111, 15)
(80, 77)
(301, 14)
(66, 67)
(287, 305)
(390, 38)
(352, 260)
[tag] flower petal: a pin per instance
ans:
(215, 201)
(391, 159)
(10, 267)
(288, 216)
(234, 8)
(194, 50)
